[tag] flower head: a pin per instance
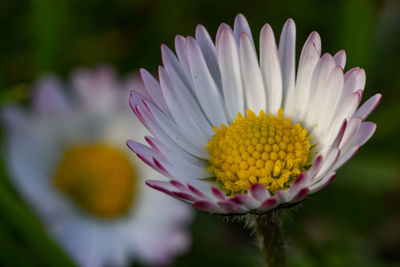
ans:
(68, 160)
(237, 133)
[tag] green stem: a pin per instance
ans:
(268, 228)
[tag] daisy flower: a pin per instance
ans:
(238, 132)
(68, 159)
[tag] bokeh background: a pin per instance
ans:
(353, 222)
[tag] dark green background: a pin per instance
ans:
(353, 222)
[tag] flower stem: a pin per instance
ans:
(268, 228)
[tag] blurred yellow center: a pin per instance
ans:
(262, 149)
(98, 178)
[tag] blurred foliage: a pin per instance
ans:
(353, 222)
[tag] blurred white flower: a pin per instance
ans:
(67, 157)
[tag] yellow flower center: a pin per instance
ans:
(98, 178)
(262, 149)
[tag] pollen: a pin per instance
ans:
(99, 178)
(264, 149)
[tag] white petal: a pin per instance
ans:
(354, 80)
(179, 97)
(316, 40)
(298, 105)
(135, 82)
(204, 86)
(355, 140)
(222, 27)
(176, 157)
(270, 69)
(209, 53)
(287, 58)
(344, 111)
(182, 107)
(173, 67)
(242, 26)
(352, 129)
(228, 60)
(162, 127)
(330, 100)
(252, 79)
(181, 52)
(340, 58)
(317, 88)
(345, 157)
(154, 90)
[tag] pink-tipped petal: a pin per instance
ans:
(218, 193)
(369, 105)
(246, 201)
(178, 185)
(154, 90)
(316, 166)
(269, 204)
(258, 192)
(282, 196)
(354, 80)
(142, 151)
(161, 167)
(231, 206)
(150, 140)
(241, 26)
(314, 39)
(209, 207)
(340, 58)
(147, 161)
(299, 183)
(339, 136)
(367, 129)
(352, 129)
(329, 160)
(164, 125)
(222, 27)
(322, 183)
(162, 186)
(346, 157)
(184, 196)
(196, 191)
(301, 194)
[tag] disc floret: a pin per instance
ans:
(264, 149)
